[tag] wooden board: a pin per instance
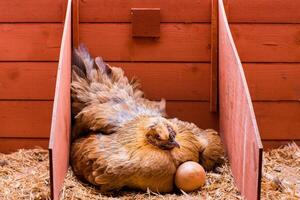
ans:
(278, 120)
(214, 57)
(263, 11)
(196, 112)
(61, 116)
(177, 42)
(27, 80)
(238, 126)
(272, 144)
(273, 81)
(32, 11)
(172, 81)
(30, 42)
(267, 42)
(9, 145)
(25, 118)
(119, 10)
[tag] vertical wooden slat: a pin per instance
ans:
(75, 23)
(61, 115)
(214, 57)
(238, 126)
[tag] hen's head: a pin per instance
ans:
(161, 133)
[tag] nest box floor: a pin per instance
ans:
(25, 175)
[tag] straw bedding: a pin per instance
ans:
(25, 175)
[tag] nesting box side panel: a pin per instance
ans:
(61, 115)
(175, 66)
(238, 126)
(267, 39)
(30, 35)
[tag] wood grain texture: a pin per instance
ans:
(59, 142)
(238, 126)
(196, 112)
(119, 10)
(27, 80)
(32, 11)
(267, 42)
(9, 145)
(25, 118)
(273, 81)
(214, 57)
(263, 11)
(177, 42)
(30, 42)
(278, 120)
(172, 81)
(75, 23)
(273, 144)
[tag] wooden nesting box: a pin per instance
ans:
(209, 71)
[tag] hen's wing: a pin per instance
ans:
(197, 145)
(103, 98)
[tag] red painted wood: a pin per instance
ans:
(172, 81)
(267, 42)
(177, 42)
(273, 144)
(31, 11)
(238, 126)
(273, 81)
(145, 22)
(61, 115)
(30, 42)
(263, 11)
(27, 80)
(214, 58)
(25, 118)
(196, 112)
(9, 145)
(119, 10)
(75, 22)
(278, 120)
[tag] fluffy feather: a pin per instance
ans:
(123, 139)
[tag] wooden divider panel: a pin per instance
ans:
(238, 126)
(61, 116)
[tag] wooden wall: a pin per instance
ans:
(267, 37)
(30, 36)
(175, 66)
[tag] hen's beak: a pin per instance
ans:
(175, 144)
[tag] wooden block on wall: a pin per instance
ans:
(145, 22)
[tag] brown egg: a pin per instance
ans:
(190, 176)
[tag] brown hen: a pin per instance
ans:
(122, 139)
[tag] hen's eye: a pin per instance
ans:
(157, 137)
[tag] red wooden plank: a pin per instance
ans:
(278, 120)
(25, 118)
(9, 145)
(172, 81)
(31, 11)
(267, 42)
(263, 11)
(119, 10)
(75, 22)
(61, 116)
(273, 144)
(145, 22)
(177, 42)
(196, 112)
(214, 58)
(273, 81)
(30, 42)
(27, 80)
(238, 126)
